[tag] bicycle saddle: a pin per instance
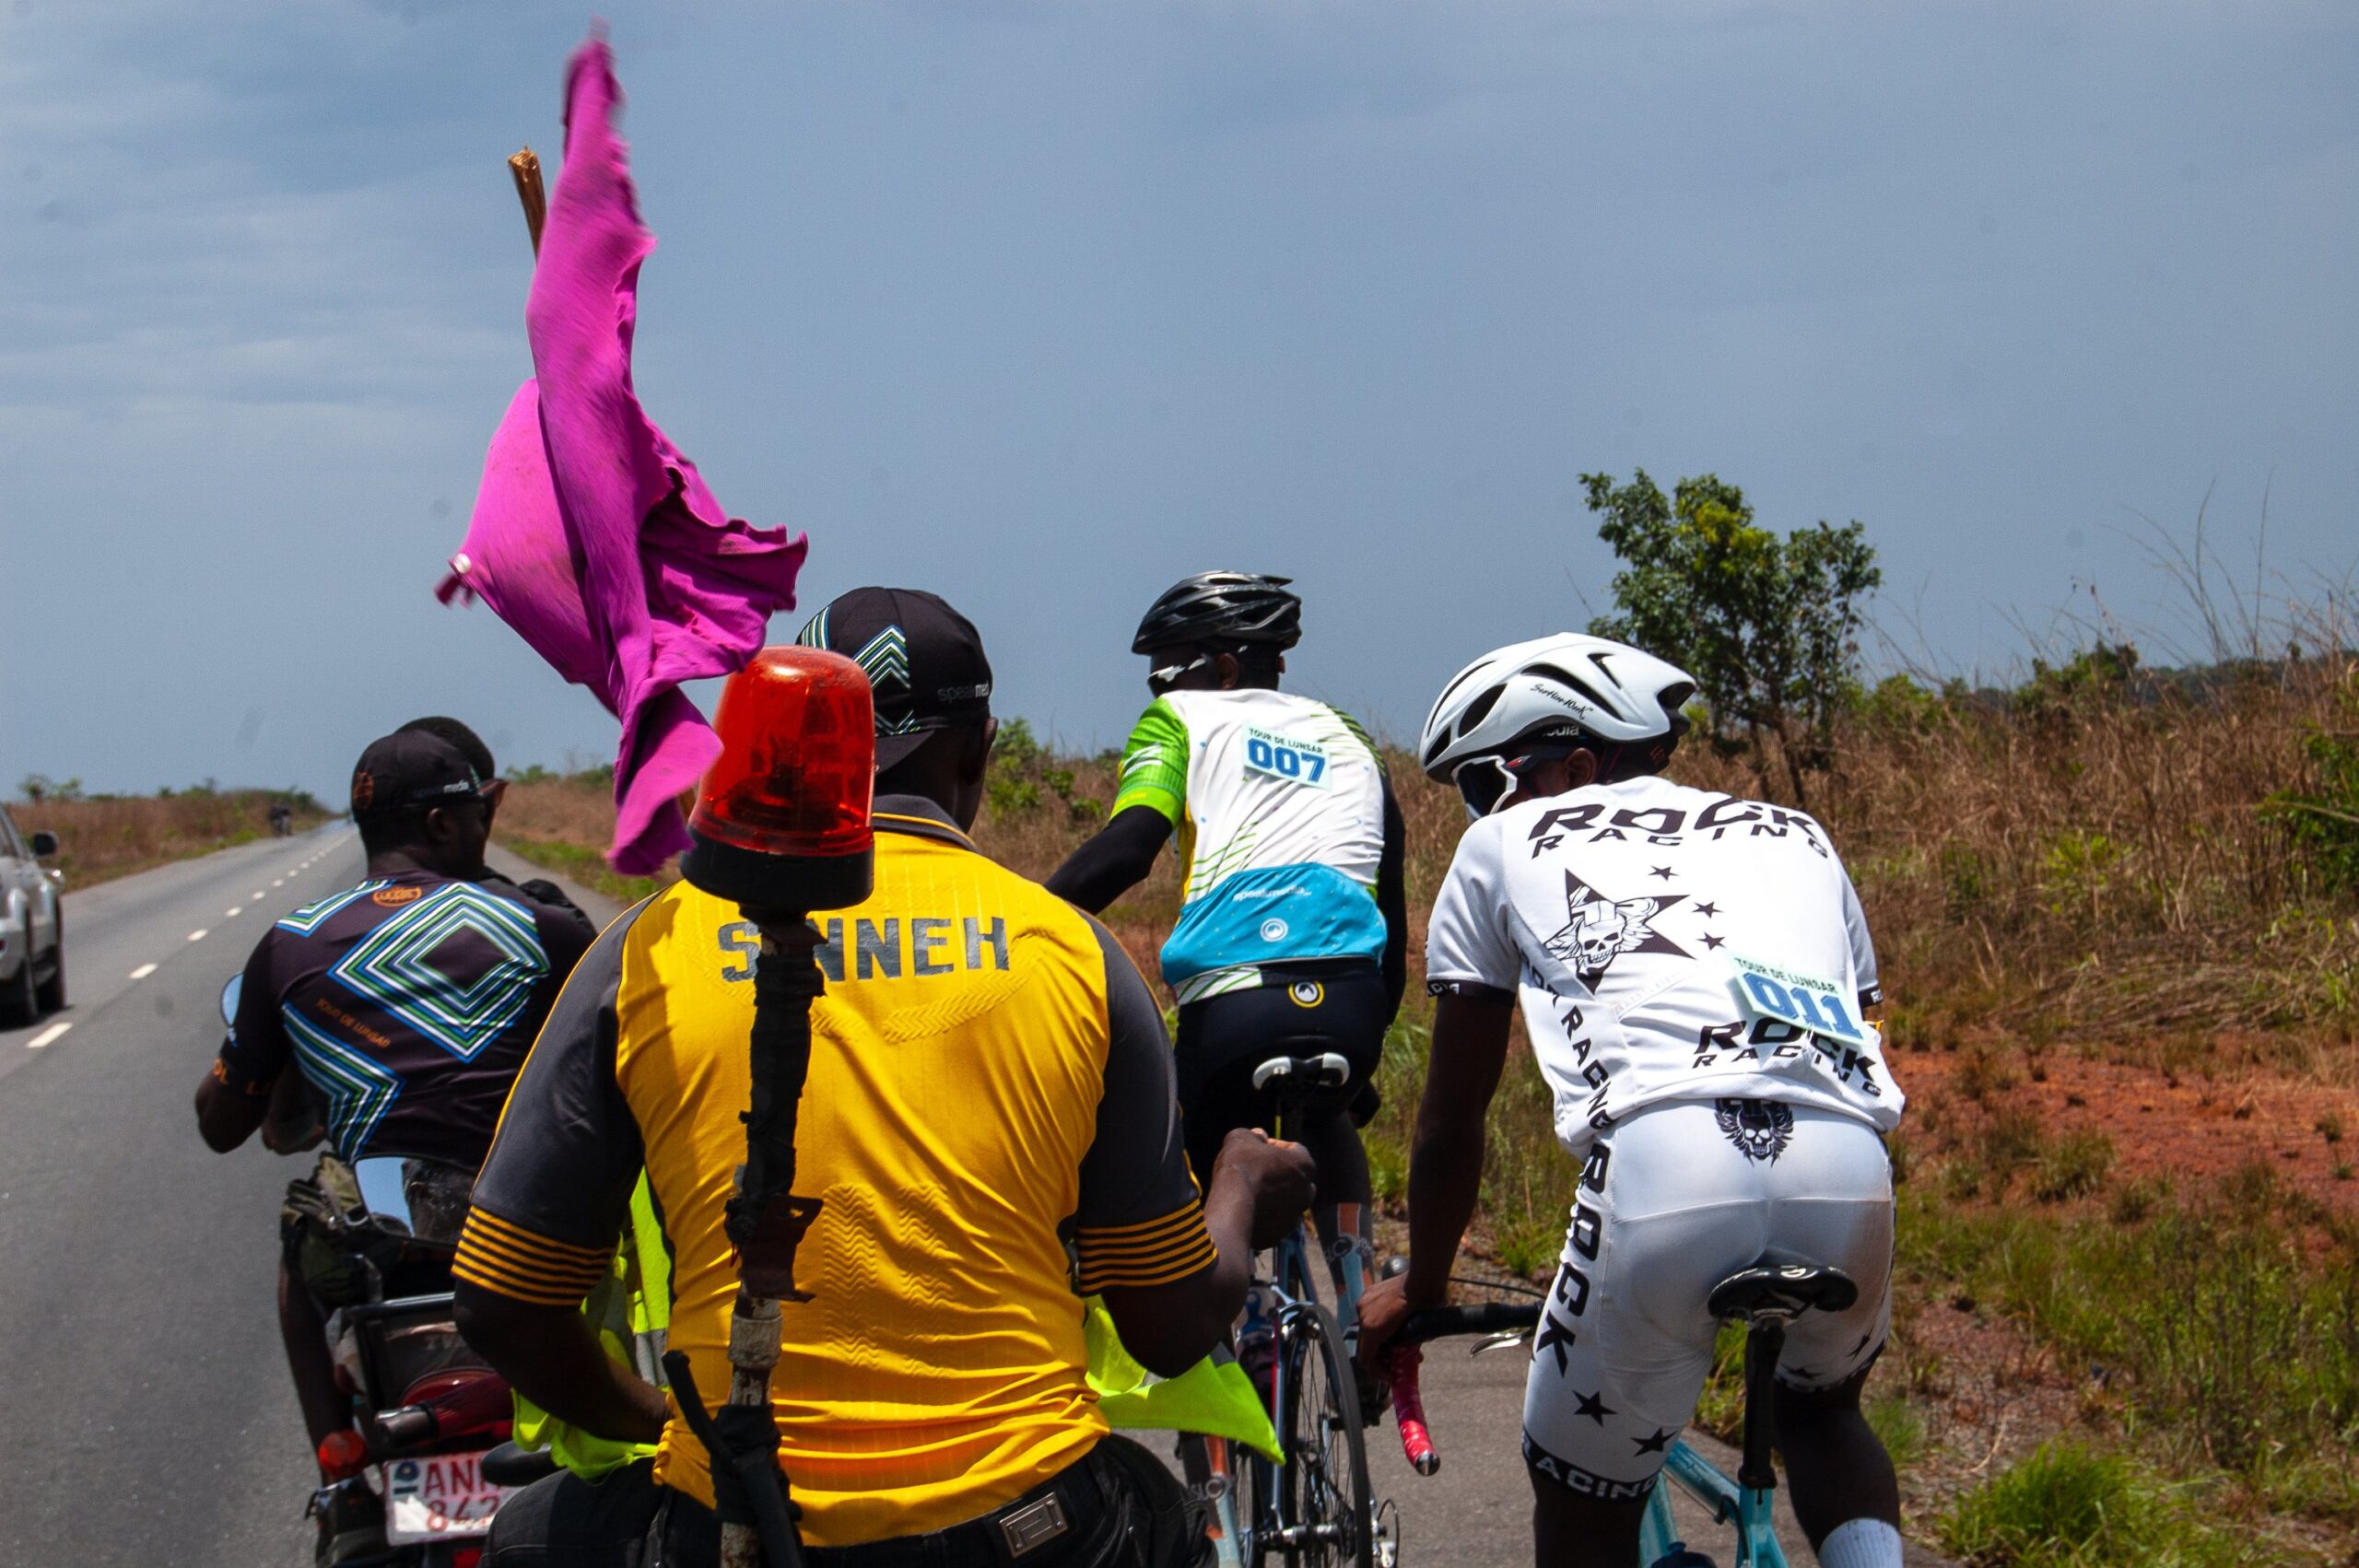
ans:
(1781, 1288)
(1325, 1070)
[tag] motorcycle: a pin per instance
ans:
(431, 1427)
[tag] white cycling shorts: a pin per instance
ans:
(1672, 1202)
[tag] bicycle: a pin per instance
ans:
(1764, 1298)
(1316, 1508)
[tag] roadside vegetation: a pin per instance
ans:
(2116, 908)
(101, 837)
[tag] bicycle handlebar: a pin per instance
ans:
(1404, 1360)
(1486, 1317)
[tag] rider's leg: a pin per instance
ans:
(1572, 1531)
(325, 1408)
(1835, 1465)
(1335, 1149)
(1836, 1208)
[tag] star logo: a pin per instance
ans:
(1593, 1406)
(1715, 941)
(1662, 872)
(1658, 1444)
(1707, 911)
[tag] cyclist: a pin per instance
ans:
(406, 1005)
(1293, 934)
(1715, 1119)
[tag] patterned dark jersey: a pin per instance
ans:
(408, 1002)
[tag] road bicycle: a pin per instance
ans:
(1315, 1508)
(1764, 1299)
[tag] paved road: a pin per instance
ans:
(146, 1404)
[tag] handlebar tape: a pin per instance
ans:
(1402, 1361)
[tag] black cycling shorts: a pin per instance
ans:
(1299, 1013)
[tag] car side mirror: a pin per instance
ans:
(43, 845)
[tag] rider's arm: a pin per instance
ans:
(1445, 1157)
(548, 1207)
(1148, 802)
(1173, 1271)
(1113, 861)
(549, 1356)
(293, 1124)
(1392, 897)
(1863, 950)
(235, 1094)
(1473, 966)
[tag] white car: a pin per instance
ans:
(33, 926)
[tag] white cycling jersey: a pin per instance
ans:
(1669, 943)
(1278, 801)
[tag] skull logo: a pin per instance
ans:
(1599, 929)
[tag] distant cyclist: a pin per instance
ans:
(1292, 934)
(1715, 1120)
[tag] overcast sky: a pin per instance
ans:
(1043, 306)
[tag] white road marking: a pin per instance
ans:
(143, 971)
(260, 894)
(197, 935)
(46, 1035)
(233, 911)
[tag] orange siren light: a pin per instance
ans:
(781, 821)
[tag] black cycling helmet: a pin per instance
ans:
(1224, 607)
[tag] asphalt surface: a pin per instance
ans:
(146, 1409)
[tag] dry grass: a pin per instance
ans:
(115, 836)
(2105, 859)
(564, 822)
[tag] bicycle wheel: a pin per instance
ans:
(1325, 1504)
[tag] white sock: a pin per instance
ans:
(1861, 1543)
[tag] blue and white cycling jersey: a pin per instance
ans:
(1279, 803)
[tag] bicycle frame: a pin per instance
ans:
(1294, 1281)
(1747, 1509)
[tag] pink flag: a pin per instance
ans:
(592, 536)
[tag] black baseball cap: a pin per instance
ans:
(409, 770)
(924, 660)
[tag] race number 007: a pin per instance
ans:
(1285, 759)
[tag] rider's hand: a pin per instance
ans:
(1281, 1178)
(1384, 1307)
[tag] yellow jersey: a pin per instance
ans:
(989, 1077)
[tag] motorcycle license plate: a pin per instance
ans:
(438, 1497)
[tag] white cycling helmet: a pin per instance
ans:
(1549, 696)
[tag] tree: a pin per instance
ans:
(1768, 626)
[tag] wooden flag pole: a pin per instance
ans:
(525, 169)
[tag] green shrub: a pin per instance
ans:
(2062, 1506)
(2324, 822)
(2070, 1506)
(1899, 1426)
(1024, 775)
(2071, 1166)
(1530, 1247)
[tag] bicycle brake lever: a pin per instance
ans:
(1496, 1342)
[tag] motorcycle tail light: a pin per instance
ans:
(781, 820)
(343, 1455)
